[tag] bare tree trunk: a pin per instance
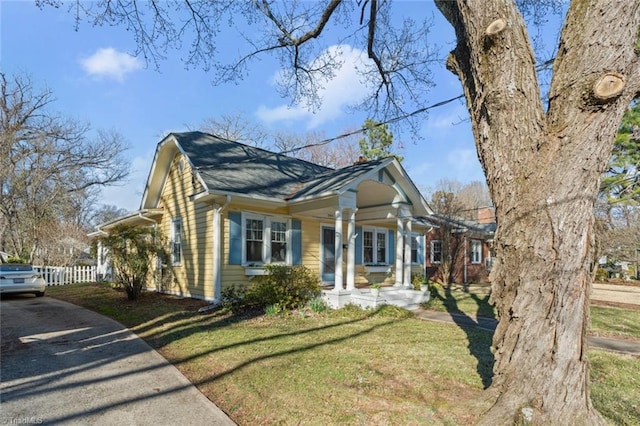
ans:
(543, 170)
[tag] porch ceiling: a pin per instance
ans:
(374, 200)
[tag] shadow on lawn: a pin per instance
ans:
(201, 323)
(479, 340)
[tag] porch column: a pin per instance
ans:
(399, 249)
(407, 255)
(338, 252)
(351, 251)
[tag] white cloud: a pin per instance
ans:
(109, 63)
(345, 88)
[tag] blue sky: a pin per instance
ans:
(96, 80)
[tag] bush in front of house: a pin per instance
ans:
(132, 251)
(284, 287)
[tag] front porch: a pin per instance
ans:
(366, 298)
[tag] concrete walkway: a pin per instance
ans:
(62, 364)
(617, 345)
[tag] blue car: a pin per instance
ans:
(21, 278)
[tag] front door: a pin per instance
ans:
(328, 254)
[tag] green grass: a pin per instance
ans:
(615, 322)
(605, 320)
(341, 367)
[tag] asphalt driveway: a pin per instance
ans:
(63, 364)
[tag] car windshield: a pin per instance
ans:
(15, 267)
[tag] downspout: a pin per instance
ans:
(217, 256)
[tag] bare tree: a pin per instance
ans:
(542, 162)
(236, 127)
(48, 168)
(309, 147)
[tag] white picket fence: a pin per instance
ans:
(61, 275)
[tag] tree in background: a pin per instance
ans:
(377, 141)
(618, 208)
(237, 128)
(452, 203)
(313, 148)
(132, 252)
(48, 170)
(543, 163)
(621, 182)
(448, 211)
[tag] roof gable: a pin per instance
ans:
(226, 167)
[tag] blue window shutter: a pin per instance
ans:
(235, 238)
(358, 245)
(296, 242)
(392, 244)
(421, 248)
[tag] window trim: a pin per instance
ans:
(266, 239)
(432, 250)
(376, 231)
(418, 238)
(475, 249)
(176, 221)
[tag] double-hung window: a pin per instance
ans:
(265, 239)
(176, 241)
(436, 251)
(375, 246)
(476, 251)
(254, 240)
(278, 241)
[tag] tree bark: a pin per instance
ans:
(543, 169)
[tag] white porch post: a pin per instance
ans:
(407, 255)
(399, 248)
(338, 251)
(351, 251)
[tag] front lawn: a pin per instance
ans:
(606, 321)
(343, 367)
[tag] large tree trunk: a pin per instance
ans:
(543, 171)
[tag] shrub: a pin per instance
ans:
(318, 305)
(233, 298)
(289, 287)
(390, 311)
(15, 259)
(132, 251)
(273, 310)
(417, 280)
(602, 274)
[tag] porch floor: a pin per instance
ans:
(363, 297)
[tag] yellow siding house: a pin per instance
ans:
(228, 209)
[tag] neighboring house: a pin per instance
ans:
(229, 209)
(469, 247)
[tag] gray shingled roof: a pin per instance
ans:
(334, 180)
(230, 166)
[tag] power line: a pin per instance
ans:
(539, 67)
(391, 120)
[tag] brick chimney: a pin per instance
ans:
(486, 215)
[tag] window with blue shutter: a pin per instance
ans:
(296, 242)
(235, 238)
